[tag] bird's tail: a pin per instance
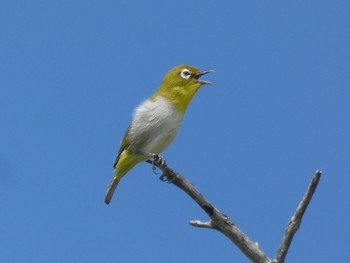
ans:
(125, 162)
(111, 188)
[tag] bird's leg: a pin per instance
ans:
(155, 158)
(159, 160)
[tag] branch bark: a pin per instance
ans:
(295, 221)
(224, 224)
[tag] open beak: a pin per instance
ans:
(201, 73)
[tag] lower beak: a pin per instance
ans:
(201, 73)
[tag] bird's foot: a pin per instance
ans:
(158, 161)
(155, 160)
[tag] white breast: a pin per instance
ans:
(154, 126)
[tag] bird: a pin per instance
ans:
(156, 121)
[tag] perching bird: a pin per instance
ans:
(156, 121)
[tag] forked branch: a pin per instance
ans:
(223, 223)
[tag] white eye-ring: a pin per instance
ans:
(185, 73)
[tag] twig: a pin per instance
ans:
(295, 221)
(198, 223)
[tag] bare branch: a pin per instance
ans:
(242, 241)
(218, 221)
(295, 221)
(222, 223)
(198, 223)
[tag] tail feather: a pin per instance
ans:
(111, 188)
(125, 162)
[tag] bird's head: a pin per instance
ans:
(185, 76)
(180, 84)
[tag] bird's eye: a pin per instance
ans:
(185, 73)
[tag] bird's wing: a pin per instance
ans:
(124, 144)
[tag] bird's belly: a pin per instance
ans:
(155, 126)
(160, 141)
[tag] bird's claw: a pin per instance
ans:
(164, 178)
(154, 168)
(156, 159)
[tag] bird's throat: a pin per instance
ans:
(179, 97)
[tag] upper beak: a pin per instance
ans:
(201, 73)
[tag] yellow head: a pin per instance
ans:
(180, 84)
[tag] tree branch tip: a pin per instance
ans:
(316, 177)
(198, 223)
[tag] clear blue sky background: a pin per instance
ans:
(71, 73)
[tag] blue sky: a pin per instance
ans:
(72, 73)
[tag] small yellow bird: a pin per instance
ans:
(156, 121)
